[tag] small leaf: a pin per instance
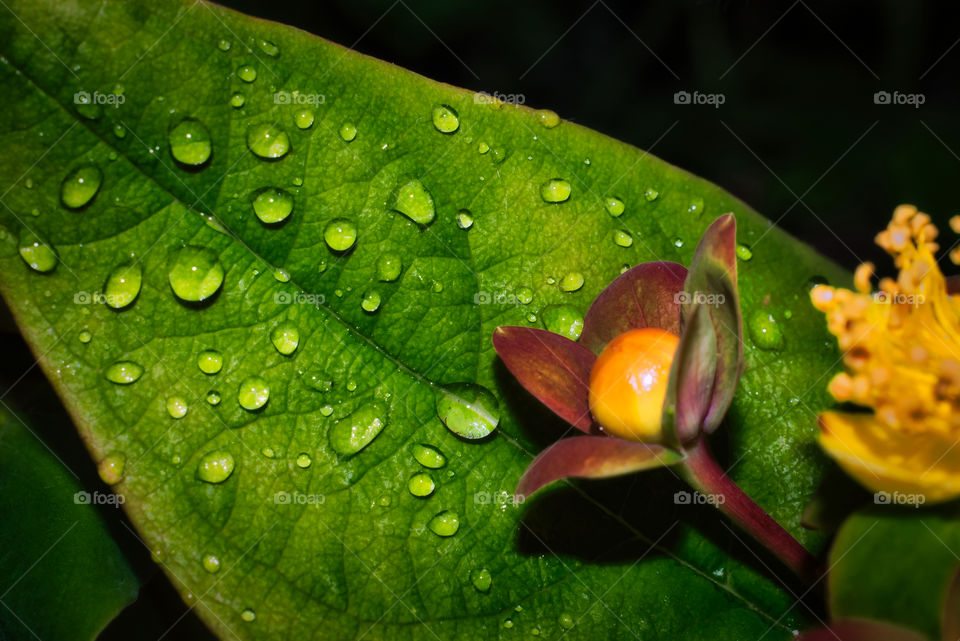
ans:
(554, 369)
(861, 630)
(691, 378)
(644, 296)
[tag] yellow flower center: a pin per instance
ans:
(628, 383)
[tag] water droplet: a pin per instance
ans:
(268, 141)
(119, 131)
(508, 624)
(571, 282)
(564, 320)
(304, 461)
(531, 318)
(436, 287)
(352, 433)
(614, 206)
(370, 302)
(316, 379)
(468, 410)
(304, 118)
(429, 456)
(445, 523)
(123, 372)
(787, 314)
(340, 234)
(253, 393)
(110, 468)
(247, 73)
(483, 147)
(389, 266)
(555, 190)
(215, 466)
(464, 219)
(566, 621)
(195, 273)
(213, 397)
(744, 252)
(285, 337)
(326, 410)
(190, 142)
(651, 194)
(415, 202)
(695, 206)
(80, 186)
(176, 407)
(421, 485)
(210, 361)
(268, 452)
(211, 564)
(351, 386)
(224, 45)
(272, 205)
(622, 238)
(84, 336)
(481, 579)
(269, 48)
(445, 119)
(36, 253)
(524, 295)
(765, 331)
(348, 132)
(237, 100)
(123, 285)
(547, 118)
(281, 275)
(248, 615)
(678, 242)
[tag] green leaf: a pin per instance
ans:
(312, 536)
(63, 576)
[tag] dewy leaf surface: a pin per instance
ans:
(318, 542)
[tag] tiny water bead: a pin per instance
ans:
(651, 194)
(111, 467)
(224, 45)
(215, 466)
(445, 523)
(123, 285)
(123, 372)
(80, 186)
(695, 206)
(555, 190)
(268, 452)
(622, 238)
(351, 386)
(464, 219)
(119, 131)
(614, 206)
(678, 242)
(36, 253)
(429, 456)
(326, 410)
(210, 361)
(285, 337)
(765, 330)
(176, 407)
(269, 48)
(248, 615)
(85, 336)
(571, 282)
(547, 118)
(370, 302)
(213, 397)
(304, 461)
(272, 205)
(445, 119)
(304, 119)
(253, 393)
(468, 410)
(268, 141)
(237, 100)
(281, 275)
(564, 320)
(436, 287)
(347, 132)
(415, 202)
(190, 142)
(195, 273)
(481, 580)
(340, 234)
(524, 295)
(483, 147)
(211, 564)
(566, 621)
(389, 266)
(744, 252)
(247, 73)
(421, 485)
(354, 432)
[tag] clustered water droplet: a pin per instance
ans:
(468, 410)
(429, 456)
(123, 372)
(571, 282)
(176, 407)
(80, 186)
(272, 205)
(210, 361)
(123, 285)
(389, 266)
(253, 393)
(415, 202)
(445, 523)
(445, 119)
(614, 206)
(190, 142)
(370, 302)
(36, 253)
(555, 190)
(564, 320)
(348, 132)
(285, 337)
(765, 330)
(268, 141)
(421, 485)
(340, 234)
(215, 466)
(195, 273)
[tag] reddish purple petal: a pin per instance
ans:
(861, 630)
(551, 367)
(691, 378)
(712, 281)
(951, 608)
(592, 457)
(644, 296)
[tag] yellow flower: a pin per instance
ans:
(901, 352)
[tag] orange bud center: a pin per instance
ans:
(628, 383)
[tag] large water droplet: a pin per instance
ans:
(571, 282)
(123, 285)
(36, 253)
(268, 141)
(247, 73)
(215, 466)
(614, 206)
(429, 456)
(285, 337)
(352, 433)
(253, 393)
(765, 330)
(445, 523)
(195, 273)
(210, 361)
(468, 410)
(272, 205)
(110, 468)
(123, 372)
(555, 190)
(340, 234)
(80, 186)
(421, 485)
(481, 579)
(547, 118)
(464, 219)
(564, 320)
(348, 132)
(303, 119)
(176, 407)
(370, 302)
(389, 266)
(415, 202)
(190, 142)
(524, 295)
(445, 119)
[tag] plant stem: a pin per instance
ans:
(703, 473)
